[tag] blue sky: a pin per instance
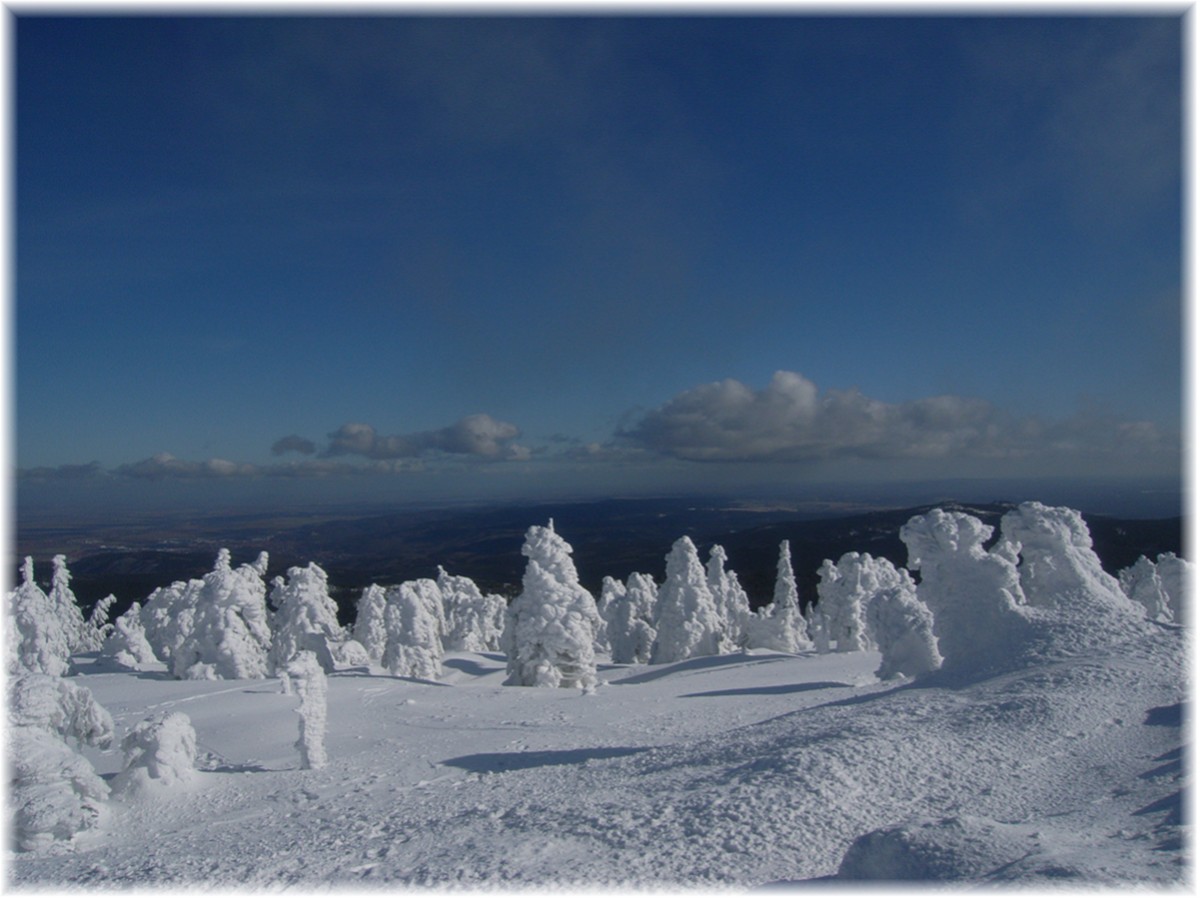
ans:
(514, 255)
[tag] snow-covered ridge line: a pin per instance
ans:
(1037, 595)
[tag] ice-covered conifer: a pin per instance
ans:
(631, 630)
(168, 616)
(97, 627)
(65, 604)
(160, 752)
(370, 629)
(732, 603)
(40, 640)
(782, 626)
(975, 596)
(414, 643)
(903, 629)
(54, 793)
(1175, 574)
(612, 592)
(845, 592)
(1142, 583)
(308, 676)
(550, 628)
(688, 621)
(474, 620)
(229, 635)
(305, 617)
(126, 643)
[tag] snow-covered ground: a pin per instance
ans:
(741, 770)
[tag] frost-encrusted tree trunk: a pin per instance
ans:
(229, 635)
(474, 620)
(160, 752)
(631, 630)
(782, 625)
(550, 628)
(688, 623)
(414, 643)
(38, 640)
(126, 643)
(305, 617)
(54, 793)
(65, 604)
(845, 593)
(732, 603)
(370, 629)
(310, 683)
(903, 629)
(975, 595)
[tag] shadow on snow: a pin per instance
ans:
(771, 689)
(490, 763)
(699, 662)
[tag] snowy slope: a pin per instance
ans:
(739, 770)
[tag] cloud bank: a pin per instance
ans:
(791, 421)
(474, 436)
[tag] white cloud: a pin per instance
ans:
(477, 435)
(789, 421)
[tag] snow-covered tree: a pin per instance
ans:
(414, 644)
(39, 641)
(370, 629)
(630, 629)
(229, 635)
(308, 676)
(1142, 583)
(54, 793)
(612, 592)
(903, 629)
(97, 627)
(549, 634)
(975, 595)
(65, 604)
(168, 616)
(305, 617)
(845, 592)
(781, 625)
(474, 620)
(126, 643)
(689, 623)
(732, 603)
(160, 752)
(1175, 574)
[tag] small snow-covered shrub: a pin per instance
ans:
(688, 622)
(54, 793)
(126, 642)
(550, 628)
(903, 629)
(311, 686)
(159, 752)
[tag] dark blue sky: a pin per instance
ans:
(510, 255)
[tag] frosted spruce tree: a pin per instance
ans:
(305, 617)
(612, 592)
(1142, 584)
(1175, 574)
(631, 629)
(781, 625)
(160, 752)
(308, 677)
(97, 627)
(550, 627)
(37, 637)
(474, 620)
(168, 616)
(903, 629)
(845, 592)
(414, 644)
(689, 623)
(65, 604)
(229, 635)
(732, 603)
(370, 627)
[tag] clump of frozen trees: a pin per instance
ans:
(1157, 586)
(550, 628)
